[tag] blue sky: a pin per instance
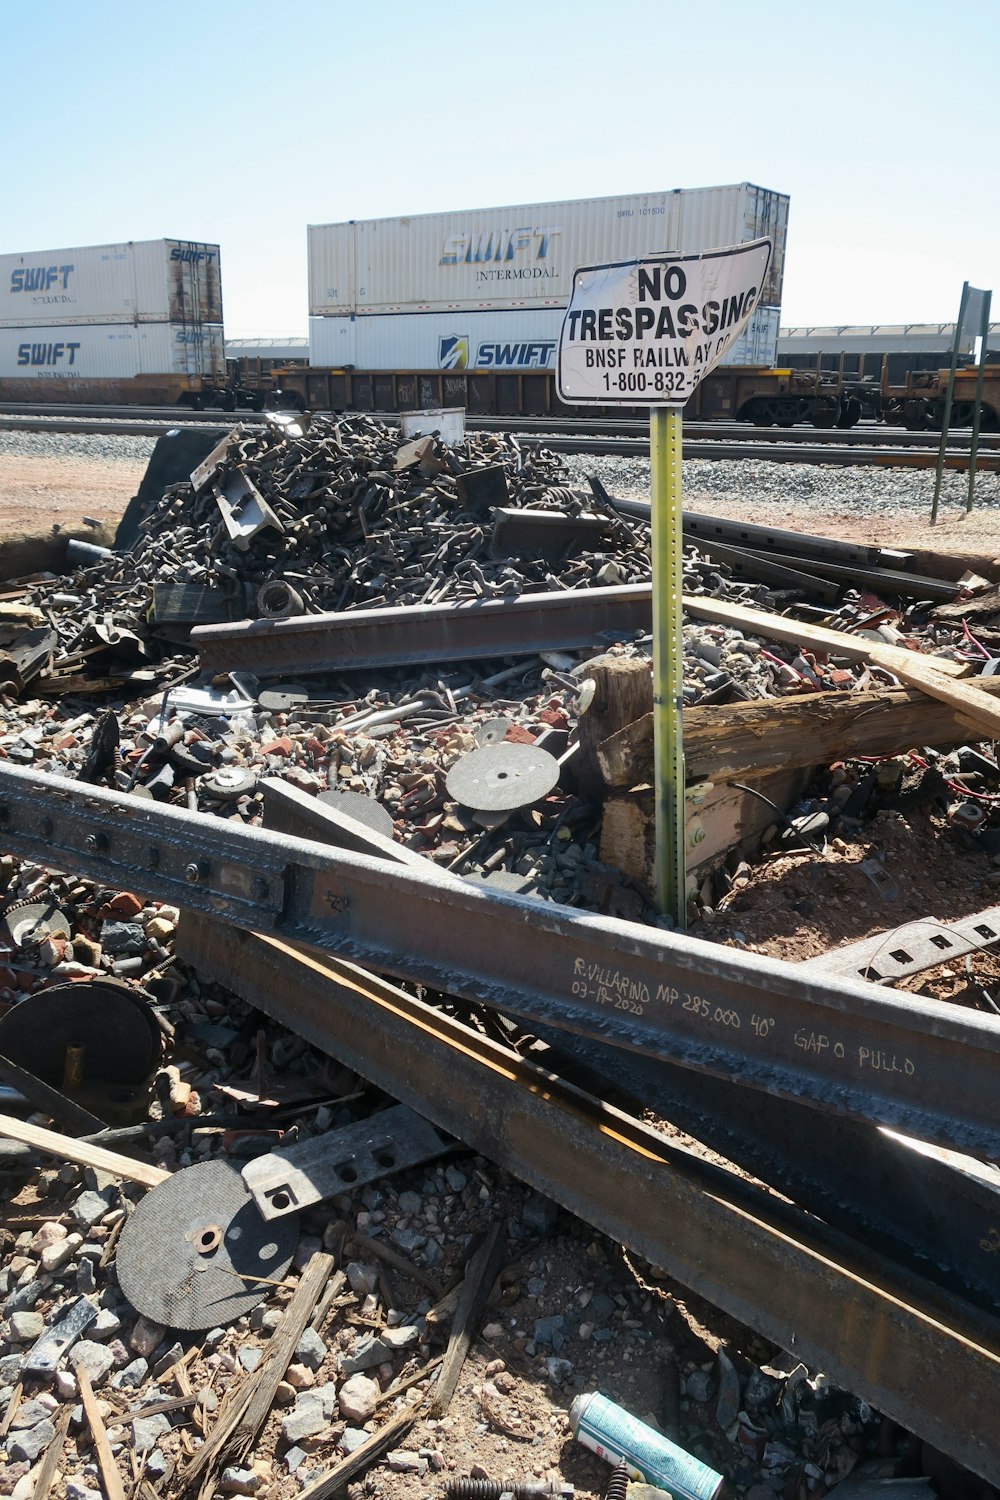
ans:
(240, 121)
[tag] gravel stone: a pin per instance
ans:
(240, 1481)
(361, 1278)
(25, 1327)
(95, 1359)
(145, 1338)
(146, 1431)
(132, 1376)
(306, 1419)
(357, 1398)
(90, 1208)
(24, 1447)
(310, 1350)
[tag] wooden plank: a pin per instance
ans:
(816, 637)
(49, 1466)
(111, 1480)
(357, 1464)
(482, 1272)
(736, 740)
(54, 1144)
(239, 1422)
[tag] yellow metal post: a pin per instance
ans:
(665, 441)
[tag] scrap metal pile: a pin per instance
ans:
(335, 1257)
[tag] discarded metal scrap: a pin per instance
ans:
(840, 1044)
(919, 1354)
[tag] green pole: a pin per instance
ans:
(984, 328)
(665, 442)
(946, 419)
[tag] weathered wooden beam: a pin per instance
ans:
(747, 739)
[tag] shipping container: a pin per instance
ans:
(514, 339)
(97, 362)
(525, 256)
(148, 281)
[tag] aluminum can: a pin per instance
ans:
(614, 1434)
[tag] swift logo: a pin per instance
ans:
(473, 247)
(46, 354)
(453, 352)
(524, 356)
(179, 252)
(39, 278)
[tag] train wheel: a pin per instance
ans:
(850, 413)
(228, 401)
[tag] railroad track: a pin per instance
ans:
(866, 434)
(884, 451)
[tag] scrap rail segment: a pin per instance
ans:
(840, 1044)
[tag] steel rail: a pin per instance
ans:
(843, 1045)
(913, 1351)
(865, 434)
(414, 634)
(605, 447)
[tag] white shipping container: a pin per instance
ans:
(525, 256)
(117, 351)
(519, 339)
(146, 281)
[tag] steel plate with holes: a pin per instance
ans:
(229, 783)
(114, 1025)
(192, 1253)
(361, 808)
(342, 1160)
(498, 778)
(492, 732)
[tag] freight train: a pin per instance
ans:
(435, 310)
(764, 397)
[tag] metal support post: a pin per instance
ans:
(946, 418)
(984, 329)
(665, 443)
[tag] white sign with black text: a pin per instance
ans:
(644, 333)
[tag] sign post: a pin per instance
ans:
(644, 333)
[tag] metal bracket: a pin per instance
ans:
(340, 1161)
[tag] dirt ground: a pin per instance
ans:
(37, 493)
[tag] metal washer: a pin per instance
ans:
(188, 1254)
(498, 778)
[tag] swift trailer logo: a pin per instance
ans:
(46, 355)
(40, 278)
(183, 252)
(646, 332)
(523, 356)
(454, 354)
(520, 252)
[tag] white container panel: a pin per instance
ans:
(522, 339)
(109, 352)
(524, 256)
(149, 281)
(332, 342)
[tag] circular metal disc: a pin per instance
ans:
(363, 809)
(32, 922)
(229, 783)
(500, 777)
(492, 732)
(118, 1032)
(188, 1254)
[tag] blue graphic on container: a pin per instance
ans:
(614, 1434)
(179, 252)
(453, 352)
(524, 356)
(39, 278)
